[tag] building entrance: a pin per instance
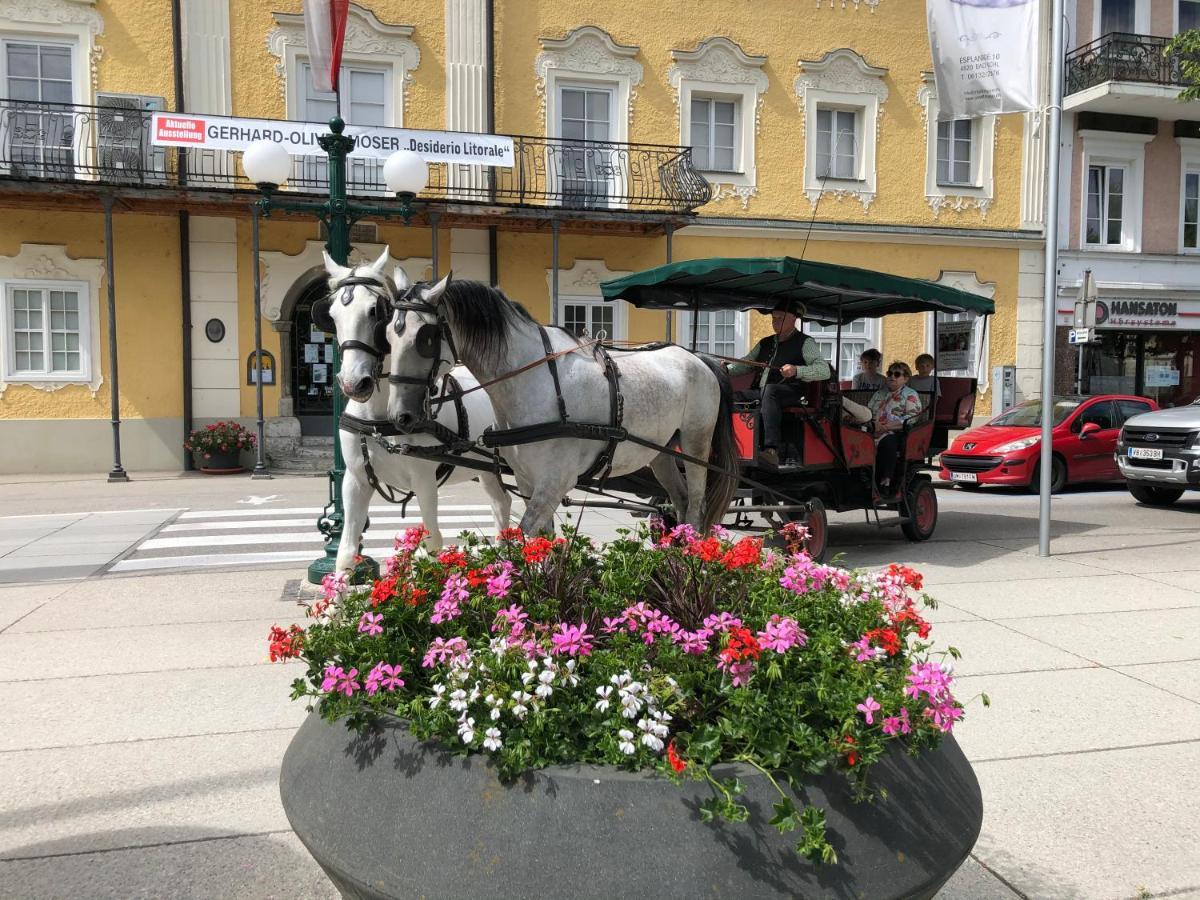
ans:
(312, 366)
(1161, 365)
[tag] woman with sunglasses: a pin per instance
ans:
(892, 406)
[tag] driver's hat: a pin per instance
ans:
(795, 307)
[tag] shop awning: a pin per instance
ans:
(829, 292)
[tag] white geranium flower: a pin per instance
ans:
(491, 739)
(466, 729)
(625, 745)
(526, 677)
(458, 700)
(603, 691)
(436, 700)
(652, 742)
(621, 680)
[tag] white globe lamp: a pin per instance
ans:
(405, 174)
(267, 164)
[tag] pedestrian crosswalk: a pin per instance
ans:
(200, 539)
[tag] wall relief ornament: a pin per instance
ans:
(742, 192)
(842, 72)
(718, 60)
(842, 4)
(591, 51)
(366, 35)
(926, 97)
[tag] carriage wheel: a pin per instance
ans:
(921, 508)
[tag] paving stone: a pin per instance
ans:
(1181, 678)
(1100, 592)
(71, 712)
(973, 882)
(989, 648)
(141, 648)
(90, 795)
(1115, 824)
(1067, 711)
(1114, 639)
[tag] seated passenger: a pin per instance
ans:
(869, 378)
(791, 357)
(925, 382)
(891, 407)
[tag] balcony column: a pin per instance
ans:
(118, 472)
(670, 231)
(554, 226)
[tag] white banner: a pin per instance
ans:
(985, 56)
(300, 138)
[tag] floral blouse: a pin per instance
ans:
(902, 404)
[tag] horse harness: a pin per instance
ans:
(384, 297)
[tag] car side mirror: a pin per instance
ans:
(1088, 429)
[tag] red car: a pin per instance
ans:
(1007, 449)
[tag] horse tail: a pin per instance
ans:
(719, 487)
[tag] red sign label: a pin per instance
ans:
(180, 130)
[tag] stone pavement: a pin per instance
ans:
(141, 727)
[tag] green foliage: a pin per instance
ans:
(1185, 46)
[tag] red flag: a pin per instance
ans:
(325, 31)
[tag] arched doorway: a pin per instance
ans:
(311, 365)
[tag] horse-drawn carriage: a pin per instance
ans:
(656, 421)
(834, 457)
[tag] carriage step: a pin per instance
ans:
(893, 522)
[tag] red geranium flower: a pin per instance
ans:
(285, 644)
(515, 535)
(475, 577)
(746, 552)
(452, 558)
(383, 590)
(910, 577)
(851, 754)
(708, 549)
(673, 758)
(537, 549)
(886, 638)
(742, 645)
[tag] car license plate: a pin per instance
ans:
(1145, 453)
(964, 476)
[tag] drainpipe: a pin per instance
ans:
(185, 258)
(490, 48)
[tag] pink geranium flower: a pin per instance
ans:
(868, 708)
(571, 640)
(370, 624)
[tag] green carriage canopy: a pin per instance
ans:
(829, 293)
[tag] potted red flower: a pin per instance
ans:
(217, 448)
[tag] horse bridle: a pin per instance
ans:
(384, 300)
(428, 340)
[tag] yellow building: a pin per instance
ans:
(814, 124)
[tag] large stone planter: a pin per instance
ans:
(387, 816)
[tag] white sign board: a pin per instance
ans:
(985, 56)
(1161, 376)
(1079, 336)
(954, 340)
(300, 138)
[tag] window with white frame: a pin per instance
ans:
(46, 328)
(587, 161)
(838, 143)
(841, 96)
(1191, 209)
(718, 90)
(720, 332)
(1111, 195)
(955, 152)
(714, 133)
(1189, 15)
(1105, 205)
(588, 318)
(366, 100)
(857, 337)
(39, 140)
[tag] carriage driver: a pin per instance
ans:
(793, 357)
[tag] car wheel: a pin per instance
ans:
(1058, 477)
(1153, 496)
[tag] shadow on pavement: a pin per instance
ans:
(165, 862)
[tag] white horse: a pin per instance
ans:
(668, 393)
(358, 309)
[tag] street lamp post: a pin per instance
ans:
(268, 165)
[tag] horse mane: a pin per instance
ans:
(481, 317)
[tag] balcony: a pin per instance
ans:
(95, 149)
(1125, 74)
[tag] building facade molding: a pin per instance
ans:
(50, 262)
(367, 40)
(871, 5)
(587, 52)
(954, 198)
(841, 77)
(719, 66)
(78, 19)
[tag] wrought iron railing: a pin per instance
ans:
(111, 145)
(1121, 57)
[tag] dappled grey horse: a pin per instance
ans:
(358, 310)
(668, 394)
